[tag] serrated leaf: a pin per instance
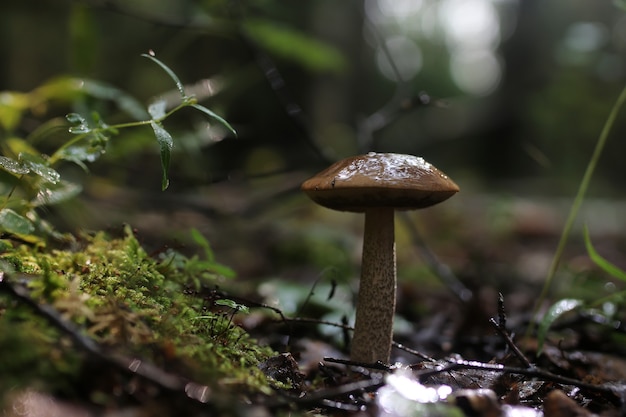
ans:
(605, 265)
(57, 193)
(12, 222)
(557, 310)
(169, 72)
(39, 167)
(157, 109)
(13, 166)
(215, 116)
(165, 143)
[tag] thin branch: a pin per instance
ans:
(324, 394)
(440, 269)
(509, 341)
(532, 372)
(402, 101)
(348, 327)
(500, 327)
(379, 366)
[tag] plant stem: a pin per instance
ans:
(580, 196)
(57, 155)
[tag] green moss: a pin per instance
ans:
(130, 301)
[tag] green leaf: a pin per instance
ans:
(75, 118)
(62, 88)
(38, 166)
(157, 109)
(5, 245)
(223, 270)
(295, 46)
(13, 166)
(554, 312)
(215, 116)
(57, 193)
(620, 4)
(209, 263)
(80, 124)
(12, 222)
(12, 106)
(169, 72)
(201, 241)
(166, 143)
(215, 268)
(235, 306)
(606, 266)
(88, 152)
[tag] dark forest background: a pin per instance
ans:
(507, 97)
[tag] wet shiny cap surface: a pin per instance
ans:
(403, 182)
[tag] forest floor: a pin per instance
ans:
(462, 345)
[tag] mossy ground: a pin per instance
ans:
(151, 307)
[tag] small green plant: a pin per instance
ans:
(605, 306)
(198, 270)
(578, 200)
(30, 179)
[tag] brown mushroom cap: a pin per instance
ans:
(403, 182)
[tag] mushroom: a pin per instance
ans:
(377, 184)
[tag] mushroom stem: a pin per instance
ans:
(376, 303)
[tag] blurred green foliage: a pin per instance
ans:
(32, 179)
(329, 58)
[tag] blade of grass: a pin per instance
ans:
(169, 72)
(557, 310)
(215, 116)
(606, 266)
(578, 200)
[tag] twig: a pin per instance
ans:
(348, 327)
(440, 269)
(400, 103)
(500, 327)
(379, 366)
(533, 372)
(322, 396)
(413, 352)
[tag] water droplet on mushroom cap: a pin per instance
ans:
(404, 182)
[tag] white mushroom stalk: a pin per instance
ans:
(377, 184)
(376, 303)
